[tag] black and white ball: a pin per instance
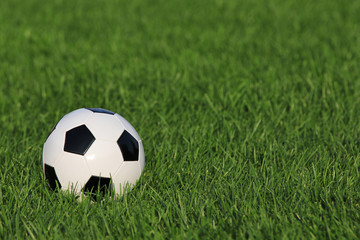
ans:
(92, 148)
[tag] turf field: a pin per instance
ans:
(248, 110)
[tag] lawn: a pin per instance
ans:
(248, 111)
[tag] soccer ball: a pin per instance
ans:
(91, 150)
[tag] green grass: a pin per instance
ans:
(248, 110)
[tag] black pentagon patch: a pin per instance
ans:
(97, 185)
(51, 177)
(101, 110)
(129, 146)
(78, 140)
